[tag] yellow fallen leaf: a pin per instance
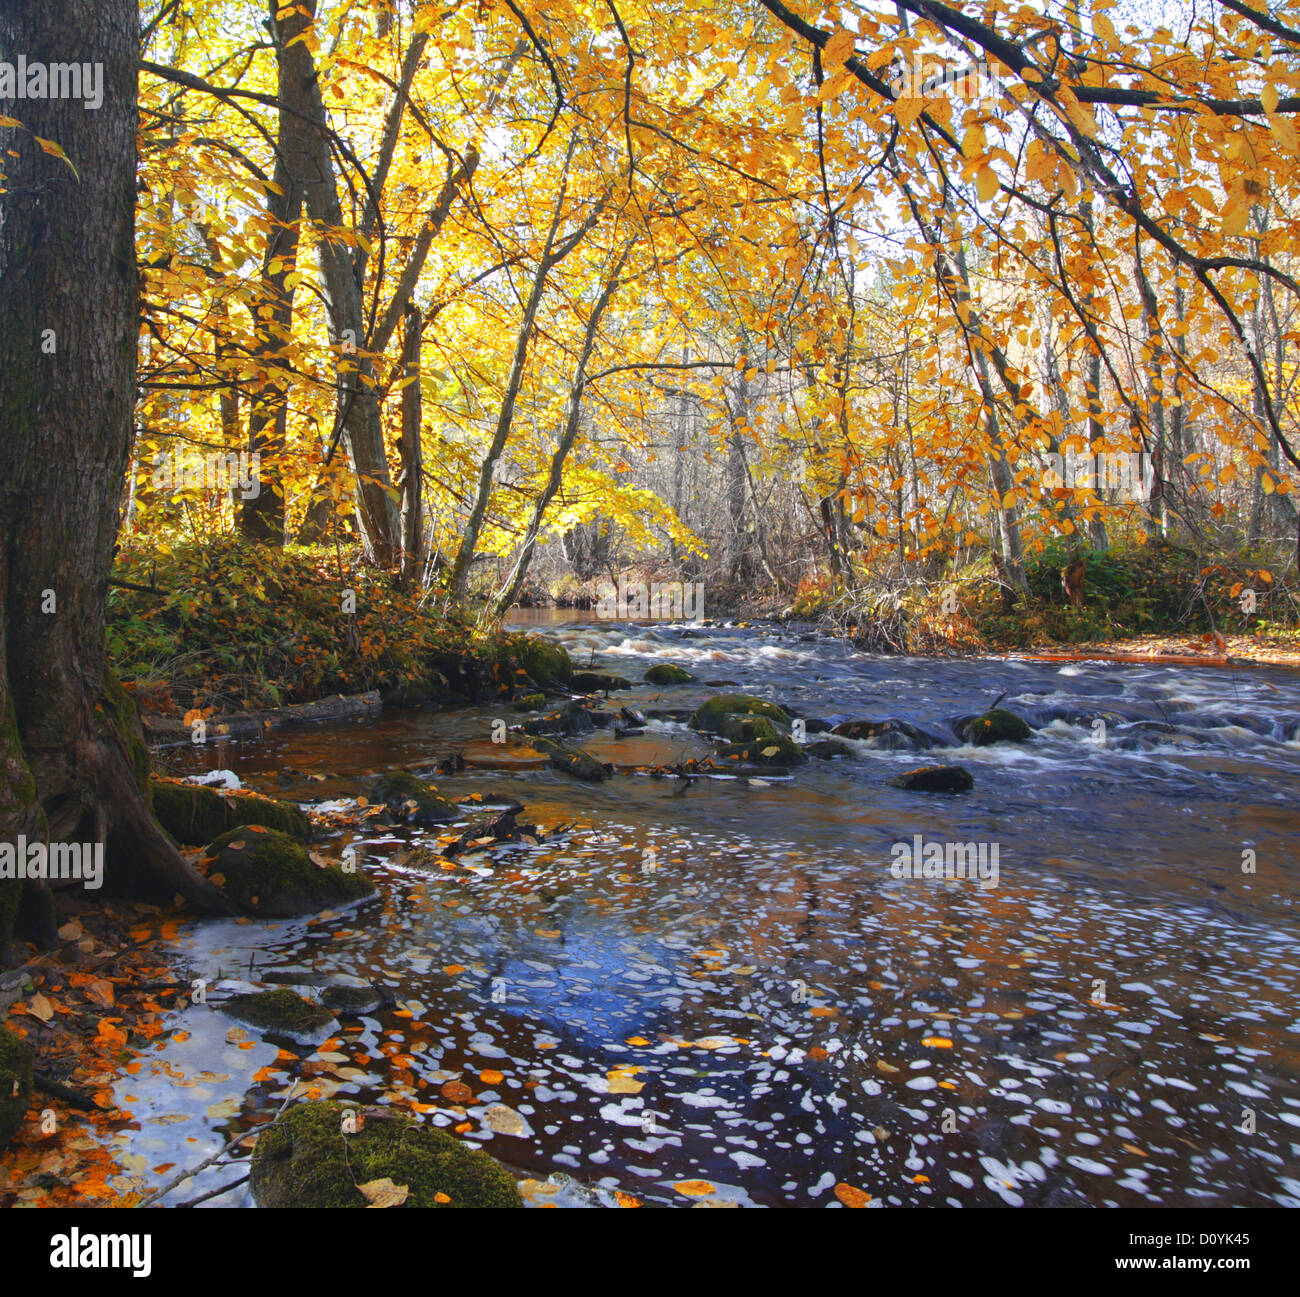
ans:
(694, 1188)
(384, 1193)
(937, 1042)
(850, 1196)
(39, 1007)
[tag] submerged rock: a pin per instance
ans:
(595, 682)
(412, 799)
(668, 674)
(936, 779)
(268, 874)
(281, 1014)
(709, 716)
(891, 734)
(15, 1083)
(825, 749)
(194, 815)
(353, 1001)
(996, 726)
(572, 761)
(306, 1160)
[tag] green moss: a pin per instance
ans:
(709, 716)
(125, 718)
(305, 1160)
(543, 661)
(825, 749)
(280, 1013)
(17, 794)
(778, 751)
(996, 726)
(399, 789)
(936, 779)
(269, 874)
(747, 729)
(668, 674)
(530, 703)
(194, 815)
(15, 1083)
(572, 761)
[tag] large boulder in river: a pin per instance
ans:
(194, 815)
(936, 779)
(308, 1158)
(996, 726)
(411, 799)
(15, 1083)
(668, 674)
(543, 661)
(268, 874)
(710, 716)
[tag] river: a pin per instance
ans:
(723, 982)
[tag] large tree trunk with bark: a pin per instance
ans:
(73, 766)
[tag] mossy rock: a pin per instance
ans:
(267, 873)
(935, 779)
(668, 674)
(825, 749)
(530, 703)
(996, 726)
(709, 716)
(305, 1160)
(281, 1015)
(15, 1083)
(597, 682)
(411, 798)
(194, 815)
(747, 729)
(572, 761)
(778, 751)
(543, 661)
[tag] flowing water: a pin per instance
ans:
(723, 981)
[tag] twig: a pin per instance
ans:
(220, 1153)
(215, 1193)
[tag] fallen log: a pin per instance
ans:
(166, 731)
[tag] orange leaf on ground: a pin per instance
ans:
(850, 1196)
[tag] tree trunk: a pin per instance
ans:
(73, 766)
(412, 451)
(359, 414)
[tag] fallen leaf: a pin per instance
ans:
(39, 1007)
(850, 1196)
(384, 1193)
(694, 1188)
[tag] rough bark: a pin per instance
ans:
(72, 763)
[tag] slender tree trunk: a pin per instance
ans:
(412, 450)
(359, 412)
(73, 766)
(509, 592)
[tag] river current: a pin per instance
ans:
(719, 992)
